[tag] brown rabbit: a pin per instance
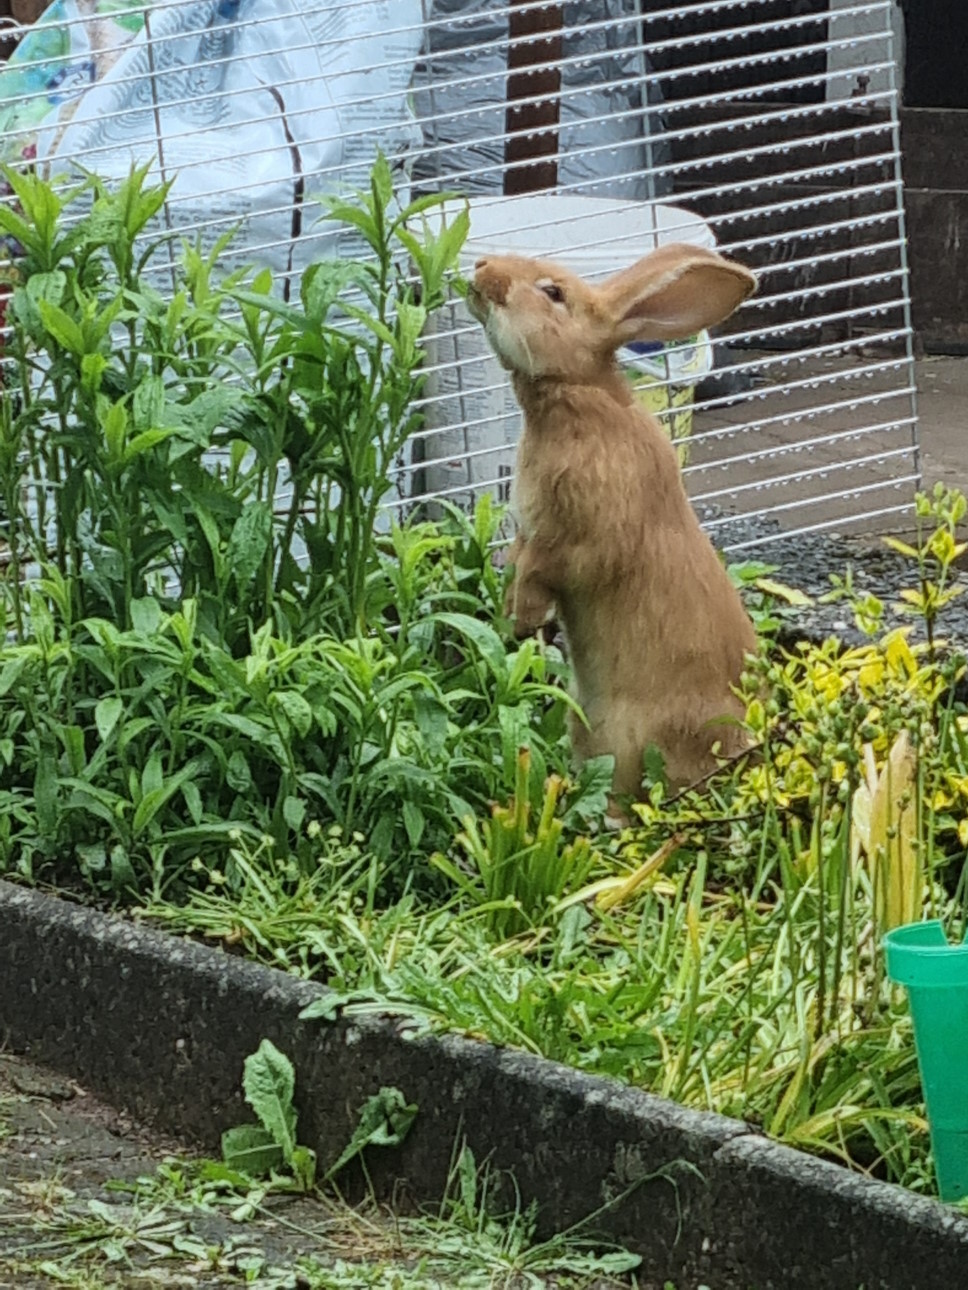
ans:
(607, 539)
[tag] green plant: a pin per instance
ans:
(768, 602)
(481, 1240)
(518, 873)
(161, 460)
(178, 684)
(261, 1149)
(934, 554)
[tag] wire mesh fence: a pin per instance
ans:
(584, 131)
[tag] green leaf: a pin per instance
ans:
(93, 367)
(45, 795)
(381, 182)
(11, 672)
(147, 204)
(430, 717)
(152, 774)
(146, 615)
(414, 822)
(426, 203)
(14, 226)
(237, 773)
(489, 645)
(209, 526)
(371, 323)
(294, 812)
(114, 422)
(327, 1007)
(148, 403)
(62, 327)
(269, 1083)
(323, 284)
(590, 798)
(144, 442)
(251, 1149)
(467, 1177)
(93, 858)
(193, 800)
(296, 708)
(47, 286)
(653, 764)
(303, 1166)
(249, 541)
(107, 714)
(155, 798)
(385, 1121)
(346, 213)
(122, 873)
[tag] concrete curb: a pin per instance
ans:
(160, 1027)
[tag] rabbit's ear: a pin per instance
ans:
(673, 293)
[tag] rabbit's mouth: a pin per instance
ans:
(478, 305)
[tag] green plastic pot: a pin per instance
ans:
(935, 973)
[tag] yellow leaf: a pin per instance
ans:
(901, 547)
(893, 844)
(870, 768)
(860, 823)
(898, 651)
(871, 674)
(620, 891)
(909, 594)
(782, 592)
(756, 715)
(963, 832)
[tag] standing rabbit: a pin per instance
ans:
(607, 539)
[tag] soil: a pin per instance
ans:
(62, 1149)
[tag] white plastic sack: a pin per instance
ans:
(252, 106)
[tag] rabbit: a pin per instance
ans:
(608, 543)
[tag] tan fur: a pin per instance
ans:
(608, 541)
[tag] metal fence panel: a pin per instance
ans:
(587, 129)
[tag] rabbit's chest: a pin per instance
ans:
(569, 484)
(547, 492)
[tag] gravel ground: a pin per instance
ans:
(807, 561)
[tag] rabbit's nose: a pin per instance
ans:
(491, 282)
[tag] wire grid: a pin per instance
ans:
(592, 130)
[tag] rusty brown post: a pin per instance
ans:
(533, 69)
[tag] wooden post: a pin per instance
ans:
(533, 69)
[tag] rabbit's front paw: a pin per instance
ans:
(531, 608)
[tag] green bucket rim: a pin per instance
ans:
(920, 956)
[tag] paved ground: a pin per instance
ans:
(63, 1222)
(943, 412)
(823, 439)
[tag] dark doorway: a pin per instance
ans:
(936, 53)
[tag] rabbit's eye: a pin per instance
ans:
(552, 291)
